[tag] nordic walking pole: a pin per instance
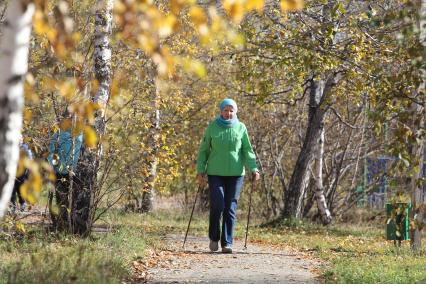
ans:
(248, 215)
(190, 218)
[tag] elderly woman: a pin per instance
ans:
(224, 150)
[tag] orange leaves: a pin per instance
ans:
(83, 110)
(32, 187)
(90, 137)
(194, 66)
(147, 43)
(166, 26)
(57, 27)
(199, 18)
(176, 6)
(145, 25)
(255, 5)
(292, 5)
(41, 27)
(165, 62)
(65, 124)
(236, 9)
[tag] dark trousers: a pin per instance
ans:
(224, 195)
(16, 191)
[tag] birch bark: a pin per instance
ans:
(14, 49)
(293, 197)
(88, 167)
(319, 191)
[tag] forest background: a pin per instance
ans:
(323, 87)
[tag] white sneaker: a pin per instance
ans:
(227, 249)
(214, 246)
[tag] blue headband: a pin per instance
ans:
(228, 102)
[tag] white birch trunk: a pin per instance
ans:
(102, 59)
(87, 170)
(319, 191)
(14, 49)
(294, 195)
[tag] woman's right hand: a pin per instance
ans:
(202, 180)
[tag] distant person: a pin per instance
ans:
(64, 151)
(24, 150)
(224, 150)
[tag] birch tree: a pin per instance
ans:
(319, 190)
(89, 162)
(320, 90)
(14, 49)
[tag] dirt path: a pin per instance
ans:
(196, 264)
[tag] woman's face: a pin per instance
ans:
(228, 112)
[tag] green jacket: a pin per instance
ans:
(224, 151)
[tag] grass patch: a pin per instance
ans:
(41, 257)
(350, 253)
(44, 259)
(119, 238)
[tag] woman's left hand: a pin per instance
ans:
(255, 176)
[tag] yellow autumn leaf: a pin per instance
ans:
(66, 124)
(199, 69)
(90, 137)
(60, 50)
(292, 5)
(28, 114)
(67, 90)
(42, 28)
(51, 176)
(235, 9)
(89, 110)
(77, 129)
(115, 87)
(255, 5)
(177, 5)
(20, 227)
(148, 43)
(36, 184)
(166, 25)
(76, 37)
(165, 62)
(21, 168)
(236, 39)
(146, 2)
(195, 67)
(119, 7)
(26, 192)
(198, 16)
